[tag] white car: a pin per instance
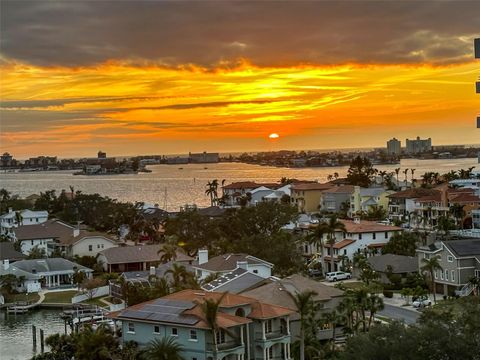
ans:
(422, 302)
(337, 275)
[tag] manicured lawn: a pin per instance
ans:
(353, 285)
(95, 301)
(61, 297)
(22, 297)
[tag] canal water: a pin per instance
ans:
(16, 332)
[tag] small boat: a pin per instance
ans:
(180, 168)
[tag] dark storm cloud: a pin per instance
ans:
(269, 33)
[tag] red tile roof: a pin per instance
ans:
(343, 243)
(413, 193)
(367, 226)
(312, 186)
(343, 189)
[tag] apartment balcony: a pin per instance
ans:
(271, 336)
(226, 348)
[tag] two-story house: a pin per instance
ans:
(69, 239)
(13, 219)
(460, 261)
(232, 193)
(364, 199)
(402, 203)
(336, 198)
(307, 196)
(226, 263)
(247, 328)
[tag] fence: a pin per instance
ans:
(98, 292)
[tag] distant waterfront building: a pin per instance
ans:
(204, 157)
(7, 160)
(102, 155)
(394, 147)
(418, 145)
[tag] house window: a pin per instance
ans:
(156, 329)
(450, 258)
(90, 247)
(32, 242)
(98, 246)
(268, 326)
(220, 337)
(193, 335)
(131, 327)
(359, 236)
(374, 236)
(36, 219)
(426, 256)
(345, 252)
(453, 275)
(435, 274)
(446, 274)
(255, 271)
(441, 275)
(174, 332)
(386, 234)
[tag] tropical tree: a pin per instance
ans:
(97, 344)
(165, 348)
(397, 171)
(406, 176)
(445, 224)
(474, 281)
(412, 171)
(209, 309)
(458, 212)
(373, 305)
(430, 266)
(331, 227)
(402, 243)
(305, 306)
(212, 191)
(169, 250)
(360, 172)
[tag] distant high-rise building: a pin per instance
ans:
(477, 56)
(102, 155)
(394, 147)
(418, 145)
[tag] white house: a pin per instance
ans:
(226, 263)
(360, 236)
(31, 282)
(69, 239)
(259, 194)
(10, 220)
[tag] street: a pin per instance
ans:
(399, 313)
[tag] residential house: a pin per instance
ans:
(68, 239)
(233, 193)
(135, 258)
(334, 200)
(365, 199)
(402, 203)
(307, 196)
(228, 262)
(13, 219)
(393, 264)
(247, 328)
(281, 292)
(48, 273)
(363, 236)
(460, 261)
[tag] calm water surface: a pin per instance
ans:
(177, 186)
(16, 332)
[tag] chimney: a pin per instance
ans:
(202, 256)
(152, 271)
(356, 219)
(6, 264)
(242, 265)
(76, 232)
(10, 210)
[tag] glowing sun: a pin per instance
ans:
(273, 136)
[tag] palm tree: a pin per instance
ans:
(406, 176)
(179, 275)
(382, 174)
(430, 266)
(168, 250)
(305, 307)
(374, 304)
(210, 309)
(413, 172)
(331, 227)
(316, 237)
(333, 318)
(397, 171)
(212, 187)
(474, 281)
(163, 349)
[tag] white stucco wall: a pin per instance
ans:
(97, 244)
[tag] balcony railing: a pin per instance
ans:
(227, 345)
(270, 335)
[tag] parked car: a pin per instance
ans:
(337, 275)
(314, 272)
(422, 302)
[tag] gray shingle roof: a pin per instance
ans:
(7, 252)
(140, 253)
(49, 265)
(465, 247)
(228, 262)
(399, 263)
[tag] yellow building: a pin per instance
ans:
(307, 196)
(364, 199)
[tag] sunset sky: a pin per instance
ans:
(172, 77)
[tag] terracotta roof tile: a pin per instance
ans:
(343, 243)
(367, 226)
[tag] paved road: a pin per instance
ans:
(399, 313)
